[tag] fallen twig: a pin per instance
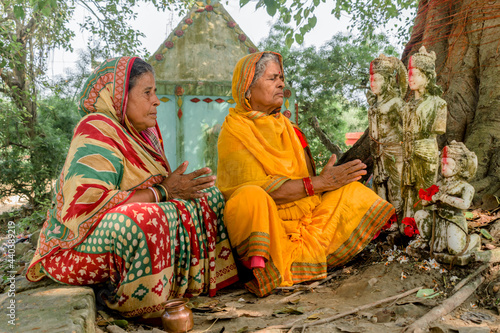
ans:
(236, 293)
(363, 307)
(468, 278)
(311, 286)
(343, 314)
(208, 329)
(421, 324)
(295, 287)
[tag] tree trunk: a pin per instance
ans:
(360, 150)
(465, 34)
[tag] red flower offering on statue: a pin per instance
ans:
(242, 37)
(159, 56)
(427, 194)
(169, 44)
(231, 24)
(411, 227)
(188, 21)
(179, 33)
(209, 8)
(393, 219)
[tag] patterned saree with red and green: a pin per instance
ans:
(148, 252)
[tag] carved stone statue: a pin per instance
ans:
(388, 83)
(448, 238)
(423, 119)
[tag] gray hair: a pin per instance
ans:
(260, 68)
(139, 67)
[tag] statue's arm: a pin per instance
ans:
(462, 202)
(439, 126)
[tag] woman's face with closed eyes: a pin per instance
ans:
(266, 95)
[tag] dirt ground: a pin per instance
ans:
(377, 273)
(380, 271)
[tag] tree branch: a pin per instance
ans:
(332, 147)
(17, 145)
(83, 4)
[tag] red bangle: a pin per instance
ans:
(308, 186)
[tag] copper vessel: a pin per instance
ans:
(177, 317)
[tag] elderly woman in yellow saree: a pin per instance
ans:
(286, 223)
(120, 216)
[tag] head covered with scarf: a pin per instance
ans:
(107, 160)
(106, 91)
(254, 147)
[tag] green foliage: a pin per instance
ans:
(34, 136)
(30, 164)
(330, 83)
(33, 220)
(210, 137)
(366, 15)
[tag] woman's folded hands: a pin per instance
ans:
(188, 186)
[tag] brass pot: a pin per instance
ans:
(177, 317)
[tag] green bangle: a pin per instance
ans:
(162, 191)
(165, 189)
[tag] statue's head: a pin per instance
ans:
(422, 72)
(457, 160)
(384, 72)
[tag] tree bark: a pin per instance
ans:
(360, 150)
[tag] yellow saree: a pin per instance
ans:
(300, 240)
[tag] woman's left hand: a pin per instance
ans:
(188, 186)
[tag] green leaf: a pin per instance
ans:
(469, 215)
(243, 2)
(427, 293)
(486, 234)
(299, 38)
(311, 22)
(287, 18)
(120, 322)
(19, 12)
(289, 40)
(271, 7)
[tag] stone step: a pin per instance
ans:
(47, 307)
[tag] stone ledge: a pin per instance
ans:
(50, 309)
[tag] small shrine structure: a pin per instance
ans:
(194, 69)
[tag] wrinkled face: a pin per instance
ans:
(142, 103)
(416, 79)
(377, 83)
(448, 167)
(267, 93)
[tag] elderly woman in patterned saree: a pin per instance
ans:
(285, 223)
(120, 215)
